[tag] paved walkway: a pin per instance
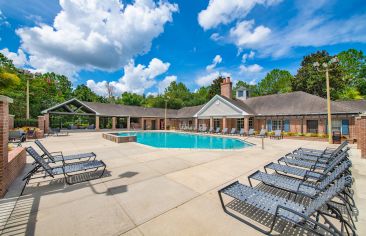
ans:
(146, 191)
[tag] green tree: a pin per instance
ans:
(199, 97)
(310, 80)
(8, 73)
(350, 93)
(253, 88)
(215, 87)
(276, 81)
(84, 93)
(353, 65)
(132, 99)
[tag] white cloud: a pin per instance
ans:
(136, 79)
(216, 37)
(3, 20)
(247, 56)
(244, 34)
(255, 68)
(223, 12)
(207, 79)
(162, 85)
(19, 58)
(217, 60)
(95, 34)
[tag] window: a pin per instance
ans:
(240, 123)
(240, 93)
(336, 125)
(312, 126)
(277, 124)
(251, 123)
(216, 123)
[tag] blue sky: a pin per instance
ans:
(141, 46)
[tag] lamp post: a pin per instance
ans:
(28, 74)
(166, 108)
(326, 69)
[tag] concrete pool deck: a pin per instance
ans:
(147, 191)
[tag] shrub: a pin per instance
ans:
(299, 134)
(18, 123)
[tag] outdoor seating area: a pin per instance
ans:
(308, 188)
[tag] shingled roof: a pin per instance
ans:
(358, 106)
(294, 103)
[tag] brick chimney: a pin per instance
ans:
(226, 88)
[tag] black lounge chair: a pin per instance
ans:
(303, 216)
(319, 159)
(53, 157)
(65, 169)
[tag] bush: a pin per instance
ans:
(18, 123)
(270, 133)
(299, 134)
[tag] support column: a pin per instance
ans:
(246, 124)
(114, 122)
(224, 123)
(97, 123)
(41, 123)
(11, 121)
(142, 124)
(128, 123)
(196, 124)
(211, 122)
(4, 138)
(46, 122)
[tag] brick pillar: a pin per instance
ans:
(41, 122)
(4, 138)
(11, 121)
(211, 123)
(322, 126)
(114, 122)
(142, 124)
(97, 123)
(196, 124)
(361, 134)
(128, 123)
(46, 123)
(224, 122)
(246, 124)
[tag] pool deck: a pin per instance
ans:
(148, 191)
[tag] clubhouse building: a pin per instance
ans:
(296, 112)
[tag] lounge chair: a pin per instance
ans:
(321, 153)
(233, 131)
(53, 157)
(251, 132)
(311, 164)
(303, 216)
(204, 129)
(241, 132)
(320, 159)
(225, 131)
(17, 137)
(217, 131)
(92, 126)
(277, 134)
(211, 130)
(262, 134)
(65, 169)
(57, 132)
(306, 174)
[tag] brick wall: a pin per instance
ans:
(41, 121)
(11, 121)
(361, 134)
(10, 165)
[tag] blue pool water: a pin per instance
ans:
(181, 140)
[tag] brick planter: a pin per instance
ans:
(119, 139)
(306, 138)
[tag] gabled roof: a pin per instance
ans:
(355, 105)
(294, 103)
(188, 112)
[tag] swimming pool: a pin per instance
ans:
(183, 140)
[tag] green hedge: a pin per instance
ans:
(18, 123)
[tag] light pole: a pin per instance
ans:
(166, 108)
(326, 69)
(28, 74)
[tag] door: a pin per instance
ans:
(144, 124)
(153, 124)
(161, 124)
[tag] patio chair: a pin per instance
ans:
(298, 214)
(64, 169)
(320, 159)
(57, 132)
(323, 153)
(233, 131)
(224, 131)
(262, 134)
(251, 132)
(241, 132)
(306, 174)
(17, 137)
(204, 129)
(217, 131)
(277, 134)
(53, 157)
(31, 133)
(211, 130)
